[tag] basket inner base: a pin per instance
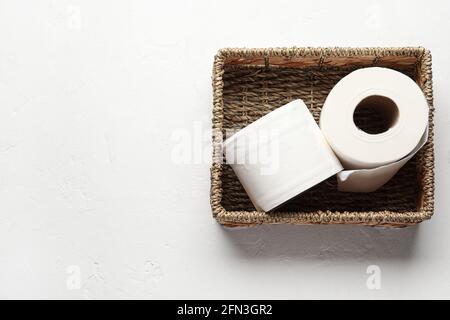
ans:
(251, 92)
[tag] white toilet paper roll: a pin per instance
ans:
(280, 155)
(374, 158)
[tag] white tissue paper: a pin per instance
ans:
(371, 160)
(280, 155)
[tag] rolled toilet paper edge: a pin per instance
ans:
(370, 180)
(301, 188)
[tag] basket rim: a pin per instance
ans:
(321, 52)
(384, 217)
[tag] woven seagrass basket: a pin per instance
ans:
(249, 83)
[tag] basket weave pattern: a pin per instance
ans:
(249, 83)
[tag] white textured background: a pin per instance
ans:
(91, 93)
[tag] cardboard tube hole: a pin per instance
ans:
(375, 114)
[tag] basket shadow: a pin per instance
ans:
(322, 242)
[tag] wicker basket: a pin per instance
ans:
(249, 83)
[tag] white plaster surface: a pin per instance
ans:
(92, 97)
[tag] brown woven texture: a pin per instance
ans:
(249, 83)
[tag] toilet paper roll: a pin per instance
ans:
(280, 155)
(373, 158)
